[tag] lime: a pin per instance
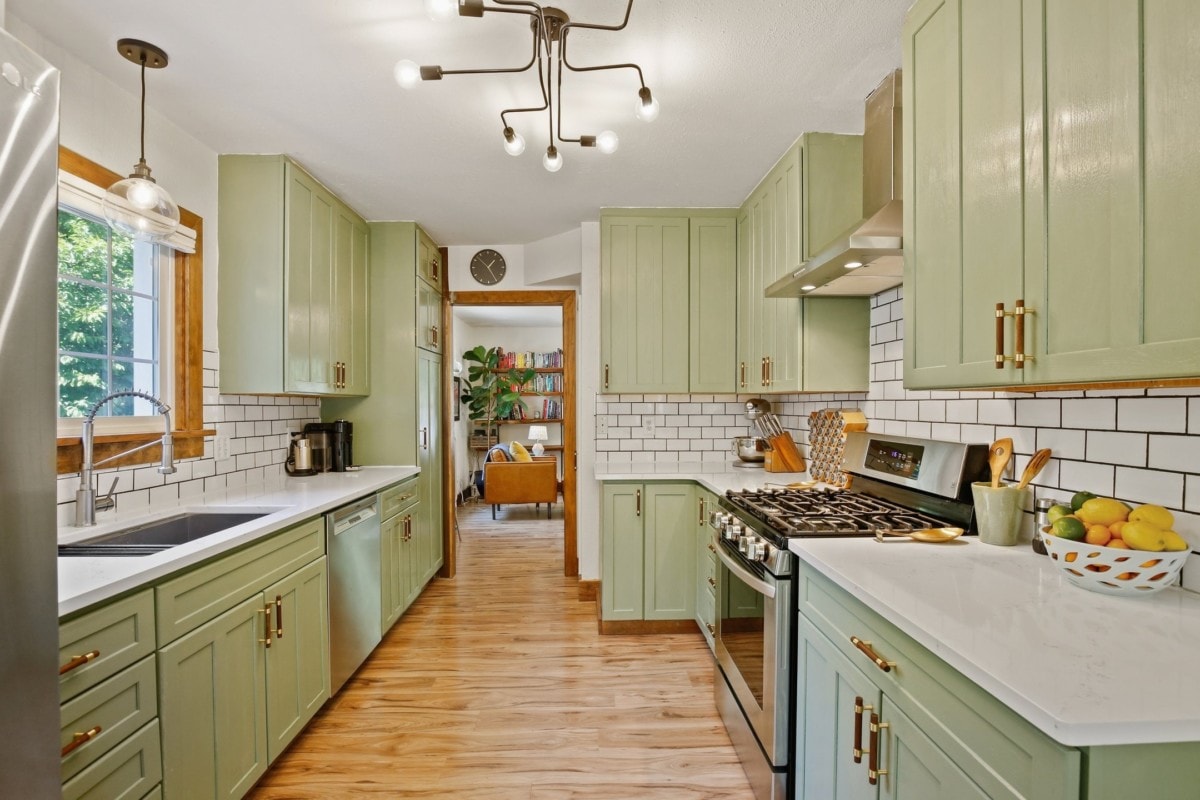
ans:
(1069, 528)
(1058, 512)
(1079, 498)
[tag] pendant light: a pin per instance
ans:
(137, 205)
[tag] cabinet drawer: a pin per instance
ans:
(119, 633)
(127, 772)
(118, 707)
(396, 498)
(187, 602)
(1001, 752)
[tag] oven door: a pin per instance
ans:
(753, 644)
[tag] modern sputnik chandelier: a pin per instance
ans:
(550, 27)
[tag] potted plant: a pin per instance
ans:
(490, 393)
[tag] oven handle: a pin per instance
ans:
(746, 576)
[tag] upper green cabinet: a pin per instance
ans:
(667, 301)
(811, 195)
(293, 282)
(1048, 160)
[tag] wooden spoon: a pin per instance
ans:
(998, 458)
(923, 535)
(1035, 465)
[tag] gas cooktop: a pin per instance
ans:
(790, 513)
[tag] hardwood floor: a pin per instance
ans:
(496, 686)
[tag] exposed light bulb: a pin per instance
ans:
(647, 106)
(607, 142)
(514, 143)
(142, 194)
(407, 73)
(441, 10)
(808, 287)
(852, 264)
(552, 161)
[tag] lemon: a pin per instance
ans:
(1069, 528)
(1155, 515)
(1102, 511)
(1079, 498)
(1057, 512)
(1144, 536)
(1117, 543)
(1098, 535)
(1174, 542)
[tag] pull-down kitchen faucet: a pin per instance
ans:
(86, 502)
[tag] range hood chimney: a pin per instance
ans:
(875, 242)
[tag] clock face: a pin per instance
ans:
(488, 267)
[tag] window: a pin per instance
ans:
(114, 337)
(113, 329)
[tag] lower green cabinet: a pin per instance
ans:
(237, 689)
(648, 551)
(706, 569)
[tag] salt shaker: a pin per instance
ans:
(1041, 526)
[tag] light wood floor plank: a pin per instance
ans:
(496, 686)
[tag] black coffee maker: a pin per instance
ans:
(332, 445)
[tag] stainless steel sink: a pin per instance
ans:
(163, 534)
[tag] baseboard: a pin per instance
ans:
(589, 590)
(648, 626)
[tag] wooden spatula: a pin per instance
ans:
(1035, 465)
(998, 458)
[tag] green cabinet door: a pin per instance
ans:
(429, 458)
(836, 344)
(622, 551)
(350, 301)
(831, 166)
(308, 255)
(416, 519)
(429, 261)
(705, 558)
(783, 186)
(829, 695)
(669, 524)
(392, 594)
(915, 766)
(429, 318)
(713, 318)
(749, 299)
(644, 323)
(297, 661)
(212, 706)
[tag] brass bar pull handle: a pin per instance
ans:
(858, 720)
(712, 582)
(742, 380)
(408, 528)
(762, 371)
(433, 268)
(435, 336)
(712, 631)
(770, 369)
(711, 548)
(873, 770)
(606, 376)
(1020, 312)
(638, 496)
(80, 739)
(424, 438)
(1000, 335)
(866, 649)
(701, 501)
(78, 661)
(266, 612)
(279, 616)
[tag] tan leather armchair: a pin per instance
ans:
(521, 482)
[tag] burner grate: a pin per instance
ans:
(828, 512)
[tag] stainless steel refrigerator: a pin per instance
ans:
(28, 572)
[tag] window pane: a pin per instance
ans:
(123, 260)
(82, 247)
(82, 318)
(122, 381)
(145, 269)
(135, 326)
(81, 382)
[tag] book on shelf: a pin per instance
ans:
(531, 360)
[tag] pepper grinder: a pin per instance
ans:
(1041, 524)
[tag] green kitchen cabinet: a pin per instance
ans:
(293, 282)
(793, 344)
(429, 261)
(644, 322)
(399, 511)
(705, 554)
(401, 421)
(712, 325)
(647, 551)
(1081, 222)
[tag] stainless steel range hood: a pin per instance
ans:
(875, 242)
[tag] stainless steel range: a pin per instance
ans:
(899, 484)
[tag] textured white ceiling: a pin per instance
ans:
(510, 316)
(737, 81)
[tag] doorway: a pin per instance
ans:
(565, 301)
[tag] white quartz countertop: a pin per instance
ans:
(1085, 668)
(716, 477)
(85, 581)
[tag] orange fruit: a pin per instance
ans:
(1098, 535)
(1117, 543)
(1071, 557)
(1127, 576)
(1116, 527)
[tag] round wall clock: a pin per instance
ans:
(488, 267)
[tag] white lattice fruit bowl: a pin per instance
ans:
(1111, 570)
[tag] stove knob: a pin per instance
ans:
(719, 519)
(733, 531)
(758, 551)
(745, 543)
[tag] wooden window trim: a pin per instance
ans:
(187, 411)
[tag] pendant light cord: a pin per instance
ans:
(142, 138)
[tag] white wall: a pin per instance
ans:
(556, 258)
(518, 277)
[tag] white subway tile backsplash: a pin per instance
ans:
(1149, 486)
(998, 412)
(1165, 414)
(1078, 476)
(1039, 413)
(1110, 447)
(931, 410)
(1064, 443)
(1180, 453)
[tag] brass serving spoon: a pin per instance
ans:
(932, 535)
(998, 457)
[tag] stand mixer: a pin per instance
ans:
(751, 449)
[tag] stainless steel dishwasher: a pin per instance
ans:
(355, 611)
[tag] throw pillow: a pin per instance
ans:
(519, 453)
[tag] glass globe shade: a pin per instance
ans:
(647, 112)
(552, 161)
(607, 142)
(141, 208)
(515, 146)
(407, 73)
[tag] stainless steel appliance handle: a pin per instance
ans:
(746, 576)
